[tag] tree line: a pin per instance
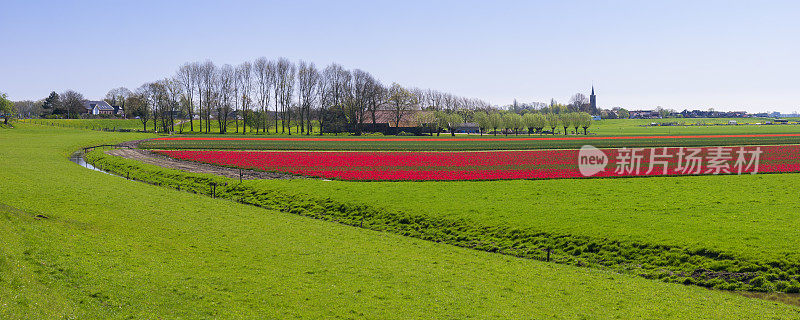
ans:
(281, 96)
(506, 122)
(278, 96)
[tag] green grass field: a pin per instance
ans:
(83, 244)
(136, 124)
(612, 127)
(615, 127)
(91, 124)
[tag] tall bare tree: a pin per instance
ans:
(378, 95)
(138, 106)
(72, 103)
(206, 73)
(401, 101)
(244, 90)
(117, 97)
(264, 73)
(307, 86)
(174, 94)
(225, 85)
(187, 78)
(284, 81)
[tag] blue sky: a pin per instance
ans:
(729, 55)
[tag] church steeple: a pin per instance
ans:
(593, 101)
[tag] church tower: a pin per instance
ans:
(593, 101)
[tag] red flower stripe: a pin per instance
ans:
(536, 164)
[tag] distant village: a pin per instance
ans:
(659, 114)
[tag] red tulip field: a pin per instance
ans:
(494, 165)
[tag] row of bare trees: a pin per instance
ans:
(275, 95)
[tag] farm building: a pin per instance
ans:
(644, 114)
(99, 107)
(468, 128)
(408, 118)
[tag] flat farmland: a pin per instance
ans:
(124, 249)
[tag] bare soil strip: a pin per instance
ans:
(190, 166)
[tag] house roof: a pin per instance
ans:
(388, 116)
(101, 105)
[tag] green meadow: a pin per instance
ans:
(84, 244)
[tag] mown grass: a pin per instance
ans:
(612, 127)
(755, 216)
(188, 127)
(608, 127)
(106, 248)
(91, 124)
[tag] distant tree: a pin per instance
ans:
(224, 87)
(116, 97)
(378, 95)
(72, 103)
(427, 120)
(186, 77)
(664, 113)
(205, 74)
(623, 114)
(51, 103)
(174, 98)
(6, 108)
(496, 121)
(576, 120)
(552, 121)
(285, 72)
(540, 122)
(263, 70)
(578, 101)
(483, 120)
(139, 107)
(534, 122)
(244, 90)
(307, 86)
(28, 108)
(512, 121)
(401, 101)
(585, 122)
(453, 122)
(565, 119)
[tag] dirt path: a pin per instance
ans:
(190, 166)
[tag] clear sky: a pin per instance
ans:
(729, 55)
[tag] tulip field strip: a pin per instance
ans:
(464, 143)
(125, 249)
(488, 165)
